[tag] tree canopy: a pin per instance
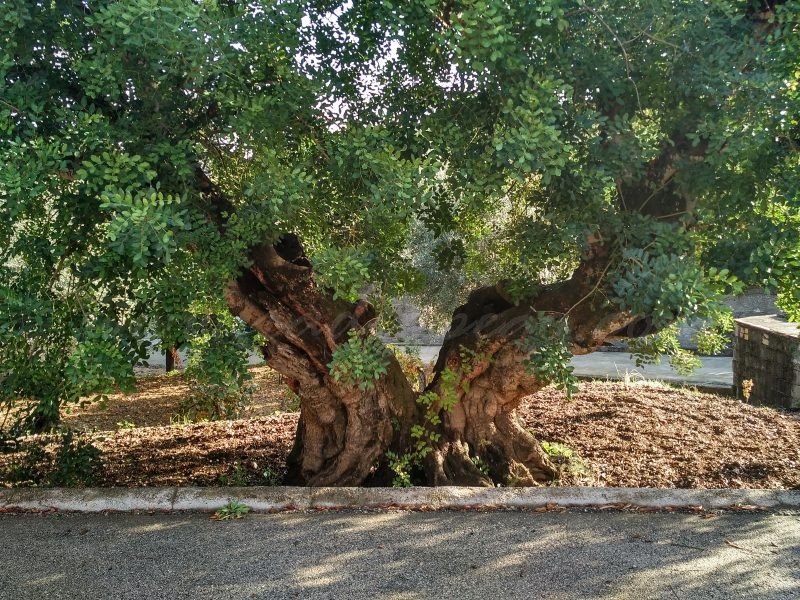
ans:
(203, 172)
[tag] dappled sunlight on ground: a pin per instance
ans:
(157, 401)
(609, 434)
(450, 554)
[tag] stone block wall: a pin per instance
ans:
(753, 302)
(766, 361)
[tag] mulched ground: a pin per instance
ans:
(157, 399)
(639, 434)
(653, 435)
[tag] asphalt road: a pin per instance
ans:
(354, 555)
(717, 371)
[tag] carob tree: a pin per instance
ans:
(541, 177)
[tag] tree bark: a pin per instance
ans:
(482, 440)
(343, 433)
(172, 359)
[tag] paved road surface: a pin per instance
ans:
(717, 371)
(409, 555)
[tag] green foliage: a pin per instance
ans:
(713, 337)
(546, 342)
(73, 462)
(402, 466)
(649, 349)
(475, 146)
(143, 226)
(481, 465)
(411, 364)
(241, 474)
(220, 383)
(237, 477)
(425, 435)
(657, 274)
(359, 362)
(558, 450)
(343, 271)
(77, 461)
(232, 510)
(52, 352)
(270, 477)
(566, 459)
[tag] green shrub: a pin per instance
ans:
(75, 462)
(219, 380)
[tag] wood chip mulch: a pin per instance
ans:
(651, 435)
(244, 452)
(638, 435)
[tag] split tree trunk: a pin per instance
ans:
(344, 433)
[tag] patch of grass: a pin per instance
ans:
(181, 419)
(232, 510)
(558, 450)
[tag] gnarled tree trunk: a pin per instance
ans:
(483, 423)
(344, 433)
(482, 441)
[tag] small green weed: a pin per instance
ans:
(558, 450)
(401, 465)
(232, 510)
(567, 460)
(183, 419)
(481, 465)
(271, 477)
(237, 478)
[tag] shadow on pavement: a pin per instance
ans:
(502, 554)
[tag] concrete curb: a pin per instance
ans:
(269, 499)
